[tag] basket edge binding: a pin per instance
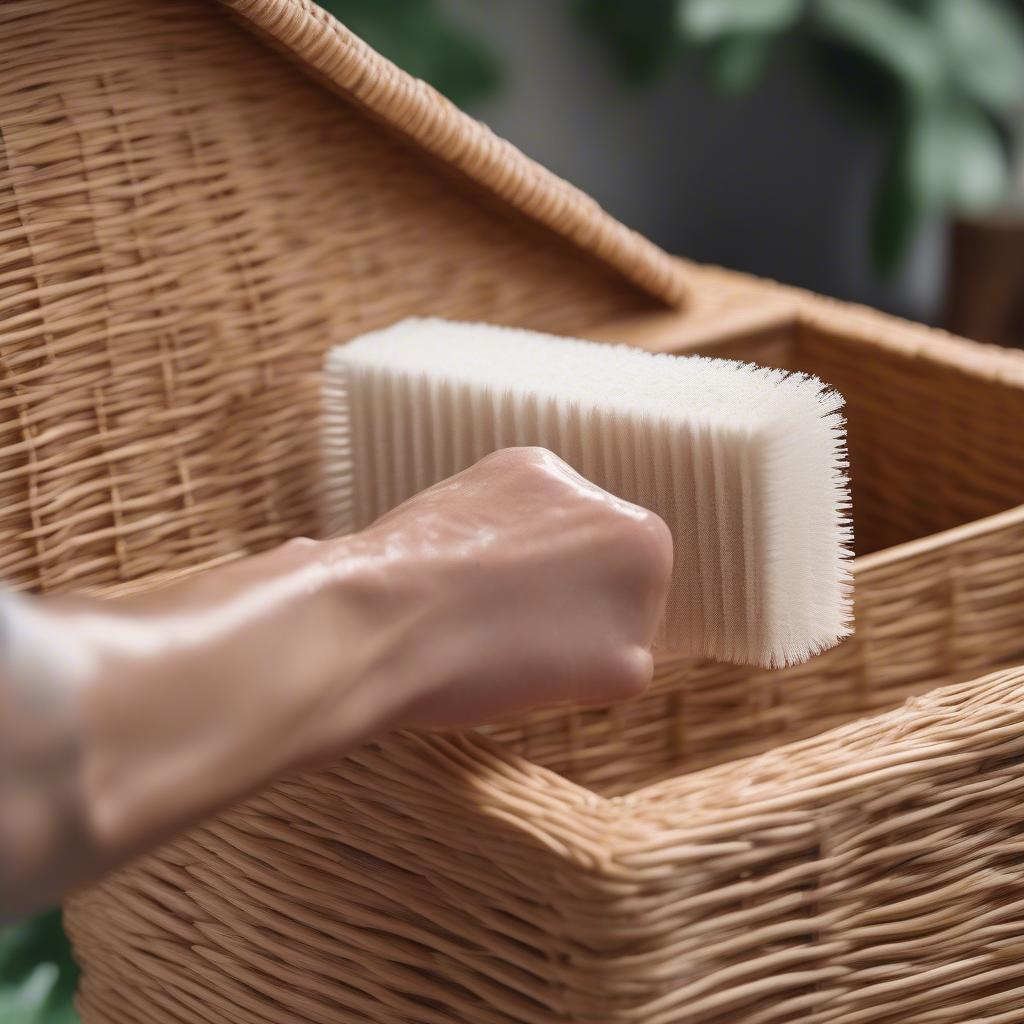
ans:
(338, 59)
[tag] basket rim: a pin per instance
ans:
(779, 305)
(940, 540)
(611, 838)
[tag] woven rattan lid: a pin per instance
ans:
(321, 45)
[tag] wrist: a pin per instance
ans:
(382, 610)
(203, 691)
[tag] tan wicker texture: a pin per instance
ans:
(327, 50)
(836, 881)
(871, 876)
(186, 223)
(935, 428)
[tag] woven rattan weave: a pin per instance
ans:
(189, 217)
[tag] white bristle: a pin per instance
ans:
(746, 465)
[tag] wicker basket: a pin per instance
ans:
(936, 427)
(186, 222)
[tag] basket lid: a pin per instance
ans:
(322, 46)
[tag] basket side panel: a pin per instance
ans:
(416, 883)
(881, 878)
(870, 874)
(186, 223)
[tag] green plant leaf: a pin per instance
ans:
(704, 21)
(958, 158)
(953, 156)
(736, 62)
(945, 154)
(640, 34)
(923, 157)
(984, 44)
(23, 1003)
(37, 973)
(893, 35)
(422, 40)
(895, 215)
(978, 167)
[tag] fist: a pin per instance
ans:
(523, 584)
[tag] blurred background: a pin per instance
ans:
(871, 150)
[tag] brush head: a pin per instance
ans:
(746, 465)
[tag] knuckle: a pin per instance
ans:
(522, 456)
(531, 452)
(529, 456)
(653, 541)
(524, 461)
(645, 541)
(636, 672)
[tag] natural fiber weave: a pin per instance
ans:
(325, 48)
(935, 427)
(870, 876)
(186, 223)
(867, 875)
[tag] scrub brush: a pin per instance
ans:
(746, 465)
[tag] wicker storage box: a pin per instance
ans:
(936, 439)
(186, 222)
(576, 867)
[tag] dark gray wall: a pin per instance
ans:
(777, 183)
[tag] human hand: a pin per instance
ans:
(512, 585)
(523, 585)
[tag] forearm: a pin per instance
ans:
(185, 700)
(512, 585)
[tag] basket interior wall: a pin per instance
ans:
(932, 447)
